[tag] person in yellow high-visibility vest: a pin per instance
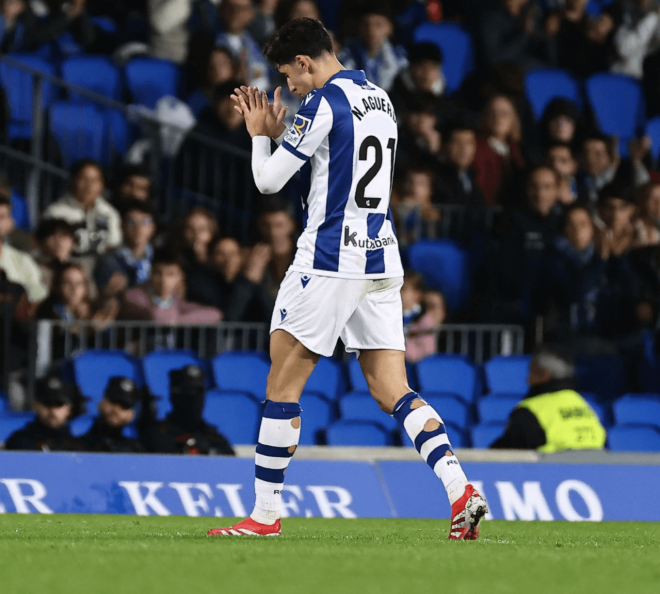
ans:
(553, 416)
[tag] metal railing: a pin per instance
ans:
(205, 172)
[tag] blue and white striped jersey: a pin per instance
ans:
(346, 133)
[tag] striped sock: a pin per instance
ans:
(425, 428)
(278, 439)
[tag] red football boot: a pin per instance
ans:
(248, 527)
(466, 514)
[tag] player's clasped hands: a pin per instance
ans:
(261, 117)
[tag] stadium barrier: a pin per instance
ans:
(602, 489)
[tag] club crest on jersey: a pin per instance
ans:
(300, 127)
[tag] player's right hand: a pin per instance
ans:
(274, 118)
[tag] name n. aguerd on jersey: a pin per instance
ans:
(345, 134)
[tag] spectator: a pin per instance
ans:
(129, 264)
(552, 417)
(49, 432)
(184, 430)
(637, 36)
(262, 26)
(238, 294)
(13, 17)
(513, 32)
(647, 219)
(559, 157)
(191, 238)
(236, 16)
(68, 25)
(220, 67)
(19, 267)
(159, 299)
(413, 205)
(561, 122)
(287, 10)
(168, 21)
(116, 412)
(372, 50)
(420, 139)
(498, 158)
(97, 223)
(616, 213)
(456, 179)
(134, 183)
(581, 290)
(423, 313)
(599, 164)
(56, 240)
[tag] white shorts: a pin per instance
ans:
(317, 310)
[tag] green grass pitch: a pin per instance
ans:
(76, 554)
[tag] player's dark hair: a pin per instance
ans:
(300, 37)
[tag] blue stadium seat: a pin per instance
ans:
(653, 132)
(356, 407)
(156, 367)
(317, 415)
(149, 79)
(637, 409)
(448, 373)
(95, 73)
(451, 408)
(356, 377)
(4, 405)
(94, 368)
(357, 433)
(18, 85)
(497, 407)
(507, 375)
(485, 434)
(243, 371)
(80, 131)
(330, 14)
(602, 409)
(604, 375)
(119, 135)
(544, 85)
(81, 425)
(457, 49)
(444, 266)
(9, 423)
(327, 379)
(236, 415)
(631, 438)
(618, 106)
(19, 211)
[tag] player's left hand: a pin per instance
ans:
(262, 118)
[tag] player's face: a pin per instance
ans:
(298, 78)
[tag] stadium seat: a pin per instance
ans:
(445, 267)
(156, 367)
(81, 425)
(618, 106)
(356, 377)
(330, 14)
(355, 407)
(544, 85)
(243, 371)
(119, 134)
(496, 408)
(94, 368)
(485, 434)
(235, 414)
(9, 423)
(149, 79)
(653, 132)
(4, 405)
(604, 375)
(95, 73)
(637, 409)
(634, 438)
(19, 211)
(80, 132)
(357, 433)
(317, 415)
(451, 408)
(327, 379)
(448, 373)
(602, 409)
(507, 375)
(457, 50)
(18, 85)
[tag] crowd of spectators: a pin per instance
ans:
(573, 238)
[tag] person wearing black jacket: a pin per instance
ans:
(116, 411)
(49, 432)
(184, 431)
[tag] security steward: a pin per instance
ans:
(184, 431)
(116, 411)
(552, 417)
(49, 432)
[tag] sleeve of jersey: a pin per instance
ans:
(310, 127)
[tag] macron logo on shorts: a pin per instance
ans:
(305, 280)
(283, 313)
